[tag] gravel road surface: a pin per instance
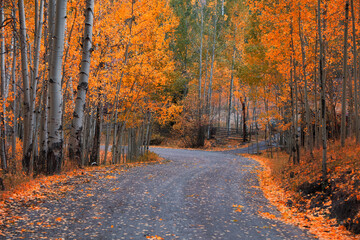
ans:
(194, 195)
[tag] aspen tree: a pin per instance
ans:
(231, 87)
(322, 89)
(55, 137)
(27, 143)
(356, 93)
(345, 74)
(75, 145)
(3, 86)
(309, 137)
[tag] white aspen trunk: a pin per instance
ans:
(148, 133)
(13, 78)
(212, 71)
(322, 87)
(292, 134)
(3, 90)
(55, 137)
(219, 109)
(75, 145)
(121, 151)
(39, 12)
(345, 73)
(206, 73)
(231, 88)
(27, 130)
(114, 145)
(356, 114)
(201, 131)
(107, 140)
(201, 50)
(309, 134)
(317, 115)
(44, 113)
(86, 137)
(222, 8)
(295, 102)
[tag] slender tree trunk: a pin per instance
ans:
(219, 109)
(309, 133)
(39, 12)
(3, 90)
(14, 105)
(95, 153)
(75, 145)
(206, 74)
(322, 87)
(27, 142)
(344, 84)
(107, 141)
(244, 128)
(55, 96)
(231, 88)
(356, 96)
(212, 71)
(201, 50)
(317, 115)
(43, 139)
(294, 108)
(201, 133)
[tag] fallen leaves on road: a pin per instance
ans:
(154, 237)
(318, 225)
(238, 208)
(267, 215)
(53, 188)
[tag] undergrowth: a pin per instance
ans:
(336, 200)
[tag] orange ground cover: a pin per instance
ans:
(279, 188)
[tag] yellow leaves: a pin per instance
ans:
(110, 177)
(238, 208)
(154, 237)
(267, 215)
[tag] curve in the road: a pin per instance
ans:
(197, 195)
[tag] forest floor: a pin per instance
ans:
(330, 209)
(192, 195)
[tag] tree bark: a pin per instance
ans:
(356, 96)
(231, 88)
(55, 139)
(95, 153)
(39, 12)
(75, 145)
(322, 87)
(3, 90)
(14, 105)
(345, 73)
(27, 142)
(309, 133)
(211, 72)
